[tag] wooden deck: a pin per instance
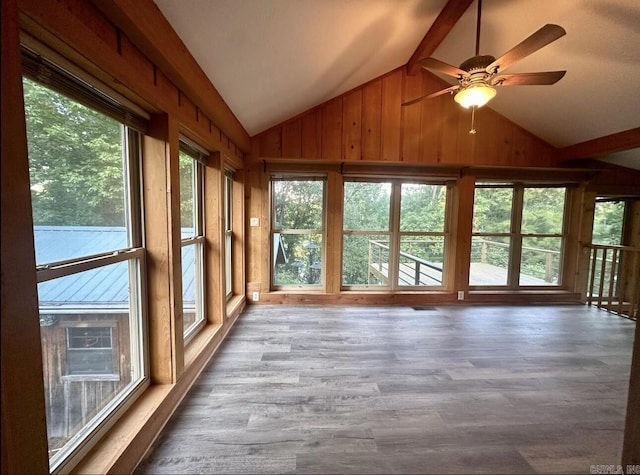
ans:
(479, 274)
(487, 274)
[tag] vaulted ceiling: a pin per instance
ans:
(273, 59)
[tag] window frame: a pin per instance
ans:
(396, 234)
(228, 232)
(516, 236)
(133, 122)
(273, 229)
(197, 240)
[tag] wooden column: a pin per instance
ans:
(160, 169)
(333, 234)
(238, 217)
(214, 232)
(631, 446)
(461, 234)
(580, 284)
(573, 243)
(24, 433)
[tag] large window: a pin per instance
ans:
(297, 231)
(394, 234)
(192, 232)
(85, 188)
(518, 235)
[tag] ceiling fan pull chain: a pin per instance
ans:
(473, 120)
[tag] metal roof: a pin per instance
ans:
(105, 287)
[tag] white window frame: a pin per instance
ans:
(228, 232)
(198, 238)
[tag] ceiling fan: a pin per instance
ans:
(480, 75)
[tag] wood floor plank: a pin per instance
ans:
(329, 389)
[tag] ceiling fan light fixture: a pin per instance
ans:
(475, 95)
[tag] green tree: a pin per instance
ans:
(75, 161)
(298, 206)
(607, 222)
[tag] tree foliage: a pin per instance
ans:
(607, 222)
(75, 161)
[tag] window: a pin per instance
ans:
(367, 233)
(85, 189)
(518, 235)
(422, 234)
(192, 232)
(228, 232)
(90, 351)
(394, 234)
(297, 231)
(608, 220)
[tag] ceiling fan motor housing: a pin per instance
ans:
(477, 63)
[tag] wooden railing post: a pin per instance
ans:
(370, 262)
(548, 268)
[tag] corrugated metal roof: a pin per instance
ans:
(105, 287)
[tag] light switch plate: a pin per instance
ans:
(254, 222)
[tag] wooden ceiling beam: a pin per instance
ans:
(618, 142)
(443, 24)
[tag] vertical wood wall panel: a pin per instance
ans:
(332, 129)
(432, 120)
(391, 116)
(371, 120)
(412, 133)
(271, 143)
(370, 123)
(292, 138)
(312, 134)
(352, 125)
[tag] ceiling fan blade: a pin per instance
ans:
(545, 35)
(528, 79)
(437, 65)
(432, 95)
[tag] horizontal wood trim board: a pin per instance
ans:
(402, 169)
(418, 298)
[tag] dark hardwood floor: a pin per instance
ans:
(330, 389)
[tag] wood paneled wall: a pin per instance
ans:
(370, 123)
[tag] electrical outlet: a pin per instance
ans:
(460, 294)
(255, 296)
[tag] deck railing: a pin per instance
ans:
(614, 279)
(537, 262)
(379, 259)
